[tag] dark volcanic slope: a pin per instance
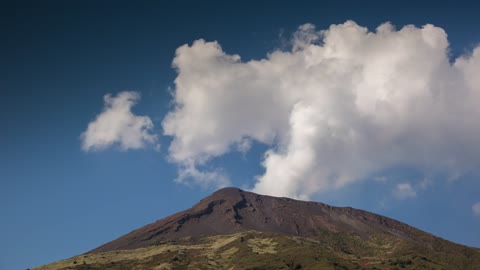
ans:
(231, 210)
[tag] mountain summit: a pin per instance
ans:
(236, 229)
(232, 210)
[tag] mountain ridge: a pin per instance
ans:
(236, 229)
(232, 210)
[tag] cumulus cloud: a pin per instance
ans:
(343, 104)
(117, 125)
(476, 209)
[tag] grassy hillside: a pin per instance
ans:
(255, 250)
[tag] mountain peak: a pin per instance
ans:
(225, 193)
(227, 190)
(232, 210)
(235, 227)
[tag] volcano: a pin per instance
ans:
(236, 229)
(232, 210)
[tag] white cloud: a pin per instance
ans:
(188, 171)
(405, 190)
(342, 105)
(116, 124)
(476, 209)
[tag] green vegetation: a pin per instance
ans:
(256, 250)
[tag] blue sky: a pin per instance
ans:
(59, 59)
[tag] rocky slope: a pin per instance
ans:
(231, 210)
(235, 229)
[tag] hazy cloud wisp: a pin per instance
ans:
(404, 190)
(476, 209)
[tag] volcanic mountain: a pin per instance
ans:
(236, 229)
(232, 210)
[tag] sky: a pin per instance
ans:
(117, 114)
